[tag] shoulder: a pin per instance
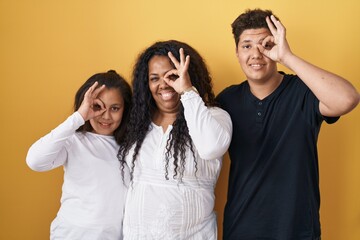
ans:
(292, 79)
(233, 88)
(217, 111)
(230, 91)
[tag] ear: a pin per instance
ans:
(237, 53)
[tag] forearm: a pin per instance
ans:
(49, 151)
(210, 129)
(337, 96)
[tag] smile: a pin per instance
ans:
(167, 95)
(257, 65)
(105, 125)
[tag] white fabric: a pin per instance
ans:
(157, 208)
(93, 193)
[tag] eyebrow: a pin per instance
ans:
(111, 105)
(247, 40)
(157, 74)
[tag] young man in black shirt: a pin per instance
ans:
(274, 180)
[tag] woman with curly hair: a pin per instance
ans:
(173, 145)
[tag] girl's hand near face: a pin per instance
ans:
(91, 106)
(179, 78)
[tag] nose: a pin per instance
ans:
(255, 52)
(106, 114)
(162, 83)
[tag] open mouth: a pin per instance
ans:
(105, 125)
(167, 95)
(257, 66)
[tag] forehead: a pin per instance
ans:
(111, 96)
(159, 62)
(254, 35)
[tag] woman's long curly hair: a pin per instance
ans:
(143, 106)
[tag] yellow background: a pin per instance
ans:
(48, 48)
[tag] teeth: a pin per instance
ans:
(167, 95)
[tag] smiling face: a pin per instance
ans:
(110, 120)
(166, 98)
(254, 64)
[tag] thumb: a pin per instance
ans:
(263, 50)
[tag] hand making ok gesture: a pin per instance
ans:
(91, 106)
(179, 78)
(275, 46)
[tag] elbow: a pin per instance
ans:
(215, 150)
(33, 164)
(341, 106)
(351, 102)
(354, 101)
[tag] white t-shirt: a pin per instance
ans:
(93, 193)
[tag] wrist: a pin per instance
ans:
(192, 88)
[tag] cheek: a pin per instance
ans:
(271, 64)
(152, 88)
(242, 61)
(241, 57)
(117, 117)
(92, 122)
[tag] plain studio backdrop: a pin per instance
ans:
(48, 48)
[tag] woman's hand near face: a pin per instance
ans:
(179, 78)
(91, 106)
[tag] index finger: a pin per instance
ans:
(271, 25)
(98, 90)
(174, 60)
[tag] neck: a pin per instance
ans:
(263, 89)
(164, 119)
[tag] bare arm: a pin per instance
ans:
(337, 96)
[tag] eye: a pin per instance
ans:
(269, 45)
(153, 79)
(96, 107)
(173, 77)
(115, 109)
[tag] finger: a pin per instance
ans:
(171, 76)
(187, 63)
(262, 49)
(271, 25)
(98, 105)
(90, 90)
(277, 23)
(97, 91)
(182, 56)
(100, 102)
(169, 82)
(173, 59)
(268, 42)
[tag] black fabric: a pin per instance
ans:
(274, 180)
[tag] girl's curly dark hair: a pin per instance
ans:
(143, 105)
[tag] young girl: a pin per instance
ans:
(86, 144)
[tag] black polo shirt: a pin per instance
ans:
(274, 179)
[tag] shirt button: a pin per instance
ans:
(259, 114)
(260, 103)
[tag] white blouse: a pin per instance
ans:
(93, 193)
(157, 208)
